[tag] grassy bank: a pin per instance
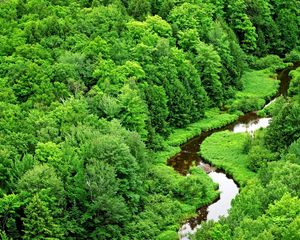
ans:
(225, 151)
(214, 119)
(259, 87)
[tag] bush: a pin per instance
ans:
(271, 61)
(295, 83)
(259, 156)
(247, 145)
(262, 113)
(168, 235)
(293, 56)
(247, 104)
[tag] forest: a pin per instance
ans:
(97, 95)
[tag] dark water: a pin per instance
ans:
(189, 151)
(283, 75)
(188, 157)
(227, 187)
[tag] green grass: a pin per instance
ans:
(259, 86)
(225, 150)
(214, 119)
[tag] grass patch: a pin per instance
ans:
(259, 84)
(214, 118)
(225, 150)
(258, 88)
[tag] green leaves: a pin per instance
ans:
(42, 177)
(192, 16)
(134, 113)
(208, 63)
(242, 25)
(86, 84)
(138, 8)
(40, 222)
(284, 127)
(9, 215)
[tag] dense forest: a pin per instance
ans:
(92, 92)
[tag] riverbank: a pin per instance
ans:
(225, 150)
(259, 87)
(234, 153)
(214, 119)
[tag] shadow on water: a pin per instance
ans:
(228, 188)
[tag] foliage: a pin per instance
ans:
(294, 88)
(270, 61)
(96, 95)
(284, 127)
(273, 107)
(259, 156)
(293, 56)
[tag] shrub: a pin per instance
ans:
(259, 156)
(271, 61)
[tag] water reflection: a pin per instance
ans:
(227, 187)
(252, 126)
(228, 191)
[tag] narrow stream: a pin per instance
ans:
(228, 189)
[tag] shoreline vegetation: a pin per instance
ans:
(255, 97)
(266, 167)
(224, 150)
(215, 118)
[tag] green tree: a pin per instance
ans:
(259, 157)
(284, 128)
(286, 17)
(43, 177)
(40, 222)
(208, 64)
(134, 112)
(294, 88)
(232, 56)
(10, 206)
(192, 16)
(139, 8)
(241, 24)
(106, 211)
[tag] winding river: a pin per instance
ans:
(228, 189)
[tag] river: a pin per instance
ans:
(228, 189)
